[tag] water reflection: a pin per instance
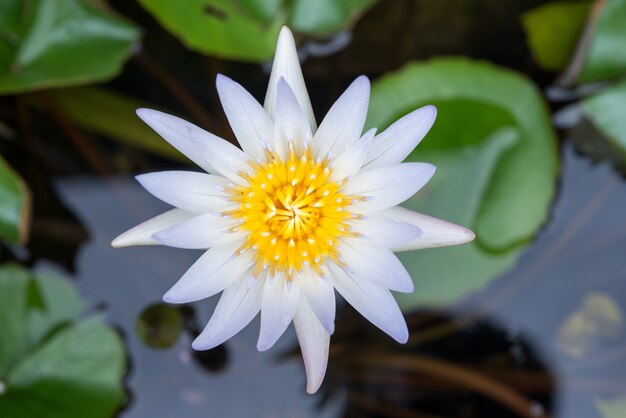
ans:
(496, 354)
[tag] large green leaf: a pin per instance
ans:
(113, 115)
(14, 284)
(606, 57)
(76, 374)
(63, 42)
(246, 30)
(50, 366)
(497, 163)
(217, 27)
(15, 205)
(552, 31)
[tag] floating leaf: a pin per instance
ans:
(497, 159)
(112, 115)
(553, 30)
(74, 372)
(60, 43)
(15, 205)
(606, 111)
(217, 27)
(606, 57)
(324, 16)
(246, 30)
(159, 325)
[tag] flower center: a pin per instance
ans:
(293, 213)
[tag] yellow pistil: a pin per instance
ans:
(293, 213)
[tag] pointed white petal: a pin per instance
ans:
(290, 122)
(217, 269)
(314, 341)
(344, 121)
(435, 232)
(388, 186)
(176, 131)
(237, 306)
(394, 144)
(225, 158)
(193, 192)
(382, 231)
(250, 122)
(350, 161)
(201, 232)
(142, 233)
(372, 301)
(279, 304)
(287, 65)
(321, 297)
(376, 264)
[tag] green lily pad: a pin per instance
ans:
(159, 325)
(247, 30)
(606, 57)
(553, 30)
(59, 43)
(15, 205)
(112, 115)
(497, 161)
(606, 111)
(614, 408)
(51, 365)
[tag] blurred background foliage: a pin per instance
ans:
(510, 80)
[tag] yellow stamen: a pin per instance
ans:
(293, 214)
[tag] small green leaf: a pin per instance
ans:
(496, 153)
(15, 205)
(14, 285)
(606, 111)
(613, 408)
(552, 31)
(606, 57)
(76, 374)
(159, 325)
(217, 27)
(113, 115)
(65, 42)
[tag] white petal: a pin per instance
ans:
(321, 296)
(237, 306)
(394, 144)
(280, 301)
(344, 122)
(193, 192)
(435, 232)
(314, 341)
(250, 122)
(217, 269)
(372, 301)
(290, 122)
(388, 186)
(142, 233)
(287, 65)
(224, 157)
(350, 161)
(200, 232)
(384, 232)
(376, 264)
(176, 131)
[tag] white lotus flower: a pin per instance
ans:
(299, 212)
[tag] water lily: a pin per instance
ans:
(298, 212)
